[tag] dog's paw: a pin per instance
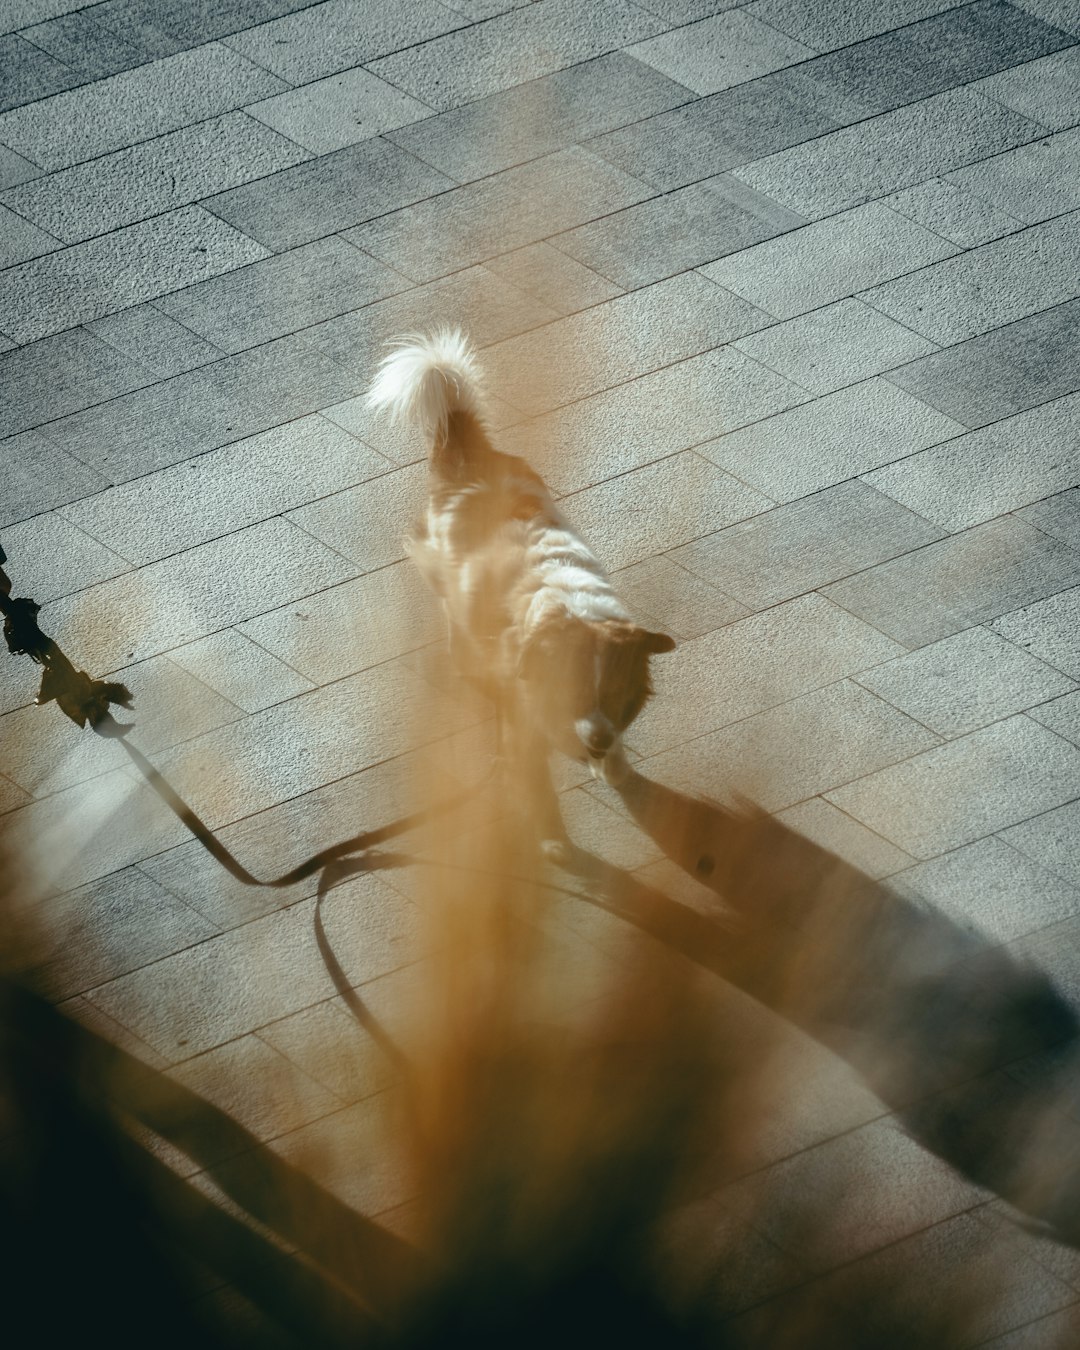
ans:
(614, 768)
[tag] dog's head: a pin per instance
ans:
(586, 681)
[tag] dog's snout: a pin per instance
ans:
(597, 737)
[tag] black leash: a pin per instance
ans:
(89, 702)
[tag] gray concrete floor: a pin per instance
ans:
(783, 298)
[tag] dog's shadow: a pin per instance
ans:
(928, 1013)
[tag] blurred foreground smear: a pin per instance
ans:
(736, 1107)
(578, 1129)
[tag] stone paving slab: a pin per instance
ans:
(964, 682)
(528, 120)
(684, 228)
(1004, 371)
(134, 106)
(153, 177)
(999, 468)
(963, 580)
(884, 154)
(829, 260)
(831, 439)
(779, 296)
(722, 50)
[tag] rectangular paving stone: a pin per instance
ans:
(815, 445)
(152, 177)
(789, 753)
(805, 544)
(11, 796)
(310, 741)
(987, 472)
(666, 596)
(681, 229)
(488, 308)
(614, 342)
(912, 1189)
(965, 681)
(203, 409)
(988, 287)
(30, 73)
(39, 476)
(965, 579)
(828, 260)
(541, 116)
(187, 23)
(1001, 372)
(1051, 839)
(658, 507)
(948, 210)
(1033, 182)
(87, 45)
(1059, 12)
(14, 169)
(926, 804)
(366, 524)
(20, 240)
(632, 424)
(325, 1041)
(351, 627)
(337, 111)
(261, 1089)
(323, 39)
(194, 593)
(214, 494)
(135, 105)
(240, 670)
(109, 928)
(991, 887)
(733, 127)
(145, 334)
(828, 826)
(516, 207)
(940, 52)
(328, 194)
(1046, 90)
(20, 13)
(754, 664)
(61, 375)
(886, 153)
(1047, 629)
(840, 344)
(724, 49)
(240, 980)
(75, 836)
(281, 294)
(1058, 516)
(53, 557)
(512, 48)
(552, 277)
(351, 1155)
(87, 281)
(825, 24)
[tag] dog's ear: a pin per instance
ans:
(656, 642)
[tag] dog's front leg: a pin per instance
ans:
(529, 770)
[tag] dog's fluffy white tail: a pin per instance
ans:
(425, 379)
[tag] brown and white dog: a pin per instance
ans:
(533, 618)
